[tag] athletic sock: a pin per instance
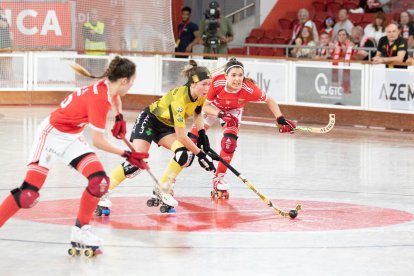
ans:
(117, 176)
(87, 206)
(221, 168)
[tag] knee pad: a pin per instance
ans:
(229, 143)
(98, 184)
(26, 196)
(130, 171)
(183, 157)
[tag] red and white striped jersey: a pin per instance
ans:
(225, 100)
(88, 105)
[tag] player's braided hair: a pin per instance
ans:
(118, 68)
(194, 73)
(234, 63)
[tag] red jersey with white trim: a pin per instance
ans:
(88, 105)
(225, 100)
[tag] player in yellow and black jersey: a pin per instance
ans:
(163, 122)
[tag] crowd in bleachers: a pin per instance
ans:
(314, 33)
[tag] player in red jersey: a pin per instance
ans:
(228, 94)
(60, 136)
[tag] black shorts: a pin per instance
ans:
(147, 127)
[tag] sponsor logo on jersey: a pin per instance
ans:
(180, 119)
(179, 109)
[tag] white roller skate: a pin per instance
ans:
(104, 205)
(84, 242)
(220, 187)
(163, 195)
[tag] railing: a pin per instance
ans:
(241, 13)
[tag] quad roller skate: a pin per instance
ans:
(220, 188)
(164, 198)
(84, 243)
(103, 206)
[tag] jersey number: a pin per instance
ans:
(69, 98)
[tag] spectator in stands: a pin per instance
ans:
(305, 39)
(359, 40)
(224, 32)
(324, 42)
(328, 25)
(188, 34)
(368, 6)
(406, 28)
(344, 48)
(94, 34)
(391, 48)
(343, 23)
(376, 29)
(6, 66)
(303, 17)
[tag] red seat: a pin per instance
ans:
(236, 51)
(350, 5)
(251, 40)
(266, 52)
(279, 52)
(258, 33)
(265, 40)
(368, 18)
(285, 23)
(321, 16)
(286, 34)
(319, 24)
(355, 18)
(333, 7)
(252, 51)
(271, 34)
(389, 17)
(319, 6)
(280, 40)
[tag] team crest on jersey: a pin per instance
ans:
(179, 109)
(180, 119)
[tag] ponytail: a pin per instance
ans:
(194, 73)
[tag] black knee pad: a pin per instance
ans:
(130, 171)
(26, 196)
(183, 157)
(98, 184)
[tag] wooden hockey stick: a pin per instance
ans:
(292, 213)
(321, 130)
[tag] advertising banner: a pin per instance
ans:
(331, 86)
(392, 89)
(35, 24)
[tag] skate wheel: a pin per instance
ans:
(72, 252)
(106, 212)
(219, 194)
(150, 202)
(88, 252)
(164, 209)
(98, 211)
(213, 194)
(226, 195)
(172, 210)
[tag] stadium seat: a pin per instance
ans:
(319, 6)
(257, 33)
(355, 18)
(321, 16)
(286, 34)
(285, 23)
(236, 51)
(252, 51)
(266, 52)
(350, 5)
(280, 40)
(271, 34)
(368, 18)
(279, 52)
(251, 40)
(333, 8)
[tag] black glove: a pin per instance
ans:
(205, 163)
(202, 141)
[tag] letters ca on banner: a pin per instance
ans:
(39, 24)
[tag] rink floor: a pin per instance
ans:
(355, 185)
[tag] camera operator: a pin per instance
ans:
(216, 31)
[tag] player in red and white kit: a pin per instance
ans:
(228, 94)
(60, 136)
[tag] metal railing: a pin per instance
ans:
(241, 13)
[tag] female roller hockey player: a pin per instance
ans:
(60, 136)
(228, 94)
(164, 123)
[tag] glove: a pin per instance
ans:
(119, 128)
(202, 140)
(285, 125)
(136, 159)
(229, 118)
(205, 163)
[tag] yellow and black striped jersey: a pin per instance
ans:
(177, 105)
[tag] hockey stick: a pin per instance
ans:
(292, 213)
(133, 150)
(321, 130)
